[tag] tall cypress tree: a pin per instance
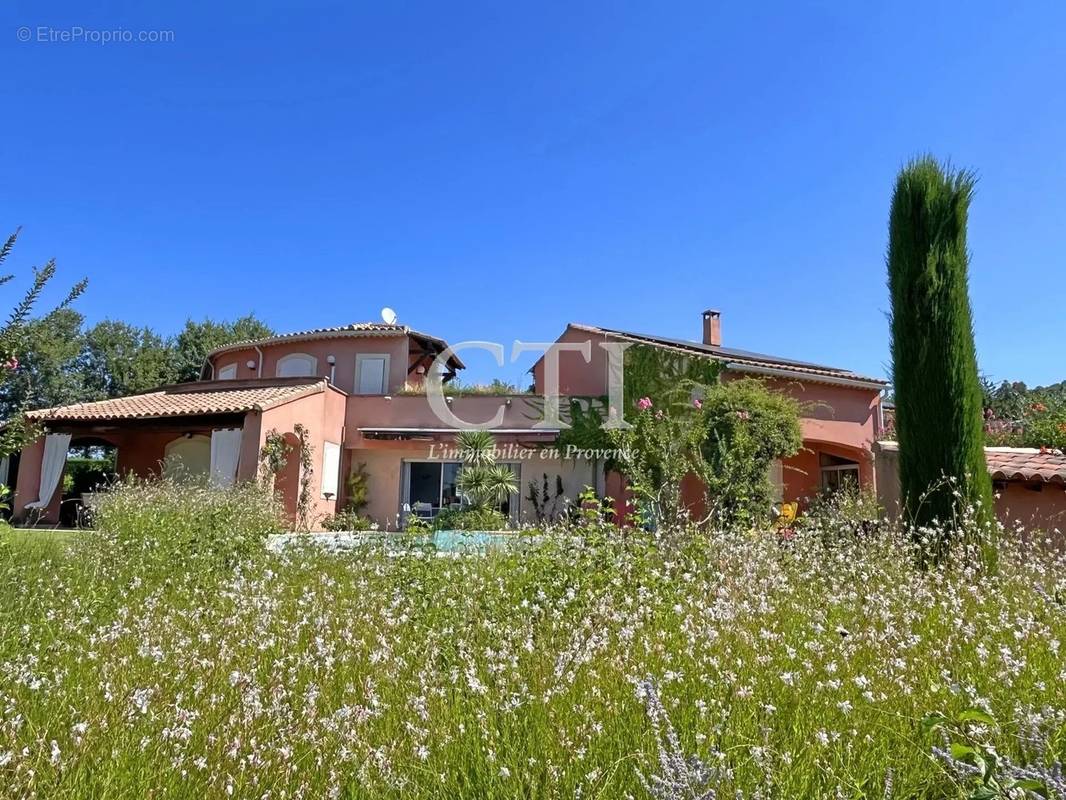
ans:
(939, 420)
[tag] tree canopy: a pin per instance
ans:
(61, 360)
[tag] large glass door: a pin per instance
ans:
(430, 486)
(423, 484)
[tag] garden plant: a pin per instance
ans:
(151, 658)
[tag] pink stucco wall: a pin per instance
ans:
(322, 414)
(577, 377)
(29, 481)
(343, 349)
(1037, 506)
(414, 411)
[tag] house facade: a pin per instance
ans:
(840, 409)
(355, 395)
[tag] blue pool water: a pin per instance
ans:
(439, 542)
(466, 541)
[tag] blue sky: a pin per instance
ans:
(493, 171)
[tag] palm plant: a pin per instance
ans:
(483, 482)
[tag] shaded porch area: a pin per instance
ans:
(208, 430)
(207, 447)
(825, 467)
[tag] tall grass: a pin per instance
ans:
(169, 522)
(791, 670)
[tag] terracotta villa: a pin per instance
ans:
(357, 390)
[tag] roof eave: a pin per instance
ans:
(308, 336)
(851, 382)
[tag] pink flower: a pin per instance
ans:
(698, 403)
(11, 363)
(743, 415)
(644, 403)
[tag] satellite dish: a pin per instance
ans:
(388, 316)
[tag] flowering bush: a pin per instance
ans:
(1032, 424)
(793, 670)
(183, 525)
(658, 451)
(725, 434)
(748, 427)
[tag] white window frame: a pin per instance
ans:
(331, 469)
(295, 357)
(359, 359)
(840, 468)
(222, 369)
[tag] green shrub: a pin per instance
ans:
(748, 427)
(358, 489)
(415, 524)
(88, 474)
(348, 521)
(173, 524)
(850, 510)
(470, 519)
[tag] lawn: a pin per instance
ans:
(799, 669)
(37, 538)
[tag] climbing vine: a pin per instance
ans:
(307, 473)
(665, 377)
(358, 489)
(273, 456)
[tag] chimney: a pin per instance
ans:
(712, 327)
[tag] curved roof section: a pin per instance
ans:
(433, 344)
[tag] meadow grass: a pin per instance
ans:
(799, 669)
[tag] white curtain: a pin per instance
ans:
(225, 456)
(55, 458)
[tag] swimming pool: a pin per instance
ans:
(439, 542)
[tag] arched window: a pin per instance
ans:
(297, 365)
(187, 457)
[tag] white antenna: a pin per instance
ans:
(388, 316)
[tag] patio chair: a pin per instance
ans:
(89, 501)
(786, 515)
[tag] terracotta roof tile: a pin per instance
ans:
(189, 399)
(742, 360)
(1026, 464)
(1016, 463)
(352, 329)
